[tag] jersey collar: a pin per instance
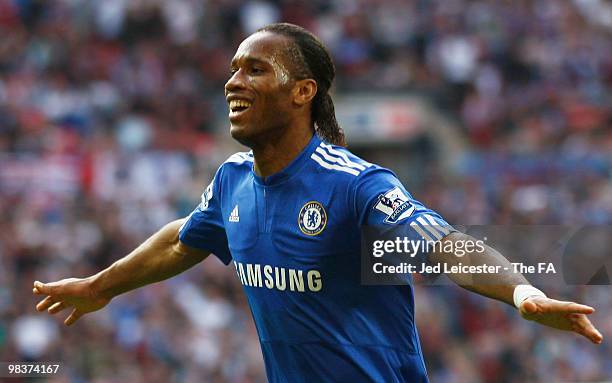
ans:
(292, 168)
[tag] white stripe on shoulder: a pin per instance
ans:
(240, 157)
(327, 165)
(344, 157)
(338, 161)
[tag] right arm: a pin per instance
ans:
(160, 257)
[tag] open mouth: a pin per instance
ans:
(238, 106)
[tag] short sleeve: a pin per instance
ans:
(204, 228)
(381, 201)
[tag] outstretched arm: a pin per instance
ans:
(158, 258)
(561, 315)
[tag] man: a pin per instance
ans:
(288, 216)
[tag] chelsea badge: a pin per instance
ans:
(312, 218)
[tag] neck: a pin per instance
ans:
(276, 154)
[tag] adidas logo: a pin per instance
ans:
(234, 217)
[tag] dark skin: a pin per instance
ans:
(277, 125)
(562, 315)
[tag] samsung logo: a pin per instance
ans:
(278, 278)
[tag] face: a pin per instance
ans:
(259, 91)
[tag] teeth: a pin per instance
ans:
(239, 104)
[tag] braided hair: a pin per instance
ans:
(312, 60)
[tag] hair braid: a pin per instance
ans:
(324, 115)
(312, 60)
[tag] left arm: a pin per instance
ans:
(562, 315)
(380, 200)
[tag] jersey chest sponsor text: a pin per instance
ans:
(278, 278)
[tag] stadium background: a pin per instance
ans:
(112, 120)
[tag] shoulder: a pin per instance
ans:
(343, 165)
(240, 158)
(233, 168)
(237, 162)
(339, 161)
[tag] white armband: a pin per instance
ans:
(522, 292)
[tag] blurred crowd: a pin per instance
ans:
(112, 120)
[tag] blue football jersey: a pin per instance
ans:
(294, 240)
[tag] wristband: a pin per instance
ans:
(522, 292)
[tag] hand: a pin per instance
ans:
(568, 316)
(72, 292)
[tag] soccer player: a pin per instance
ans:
(288, 216)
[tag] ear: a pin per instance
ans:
(304, 91)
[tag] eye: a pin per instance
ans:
(257, 70)
(233, 71)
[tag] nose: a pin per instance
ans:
(236, 82)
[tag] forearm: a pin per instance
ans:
(158, 258)
(499, 285)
